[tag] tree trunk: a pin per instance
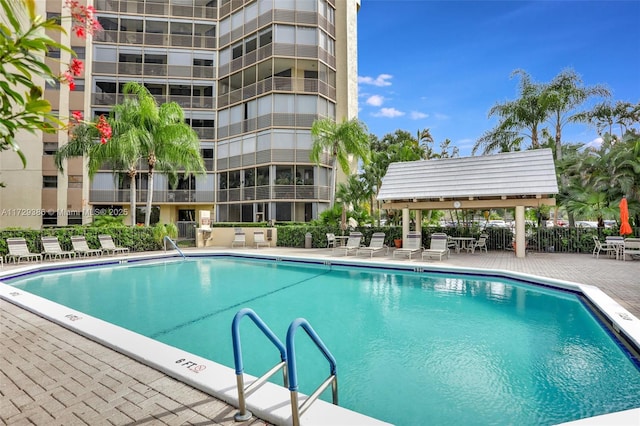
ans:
(132, 196)
(147, 213)
(334, 177)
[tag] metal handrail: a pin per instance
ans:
(167, 238)
(243, 414)
(297, 411)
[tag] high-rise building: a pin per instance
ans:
(251, 75)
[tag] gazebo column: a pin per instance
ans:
(406, 222)
(520, 232)
(419, 221)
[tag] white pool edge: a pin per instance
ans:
(272, 402)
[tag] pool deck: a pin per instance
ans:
(52, 376)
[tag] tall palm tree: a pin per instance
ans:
(345, 142)
(120, 152)
(167, 142)
(518, 120)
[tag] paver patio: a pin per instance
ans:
(52, 376)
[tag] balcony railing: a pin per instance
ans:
(275, 192)
(99, 196)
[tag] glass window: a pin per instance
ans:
(49, 181)
(285, 34)
(75, 181)
(284, 104)
(283, 212)
(49, 148)
(50, 219)
(308, 36)
(74, 218)
(307, 104)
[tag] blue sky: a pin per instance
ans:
(443, 64)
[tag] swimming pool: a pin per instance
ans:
(382, 324)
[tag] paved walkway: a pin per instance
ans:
(52, 376)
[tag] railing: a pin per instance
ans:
(243, 414)
(167, 238)
(296, 410)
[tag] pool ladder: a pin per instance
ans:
(287, 364)
(173, 243)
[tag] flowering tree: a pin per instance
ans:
(23, 47)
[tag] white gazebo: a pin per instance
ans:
(506, 180)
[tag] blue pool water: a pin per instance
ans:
(409, 346)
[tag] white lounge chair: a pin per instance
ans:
(109, 247)
(375, 245)
(52, 250)
(239, 239)
(81, 247)
(19, 250)
(631, 248)
(438, 247)
(258, 239)
(353, 243)
(411, 245)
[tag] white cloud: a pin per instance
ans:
(595, 143)
(417, 115)
(388, 112)
(441, 116)
(379, 81)
(375, 100)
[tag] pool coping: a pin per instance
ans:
(270, 402)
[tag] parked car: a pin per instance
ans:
(586, 224)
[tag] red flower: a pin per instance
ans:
(76, 67)
(80, 32)
(104, 128)
(77, 116)
(72, 86)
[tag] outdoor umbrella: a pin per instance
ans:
(625, 228)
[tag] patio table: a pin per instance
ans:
(464, 243)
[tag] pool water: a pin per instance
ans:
(411, 347)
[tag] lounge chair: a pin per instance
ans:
(258, 239)
(353, 244)
(52, 250)
(606, 248)
(18, 250)
(438, 247)
(375, 245)
(480, 243)
(81, 247)
(238, 239)
(411, 245)
(109, 247)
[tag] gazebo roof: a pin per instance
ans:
(518, 176)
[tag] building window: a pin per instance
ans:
(81, 52)
(49, 148)
(74, 218)
(75, 181)
(54, 52)
(49, 181)
(50, 219)
(56, 16)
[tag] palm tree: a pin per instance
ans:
(562, 96)
(519, 119)
(345, 142)
(164, 138)
(120, 153)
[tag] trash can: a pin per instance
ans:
(307, 240)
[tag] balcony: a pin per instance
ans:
(97, 196)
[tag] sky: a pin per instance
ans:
(442, 65)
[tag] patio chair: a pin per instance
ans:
(109, 247)
(81, 247)
(411, 245)
(438, 247)
(238, 239)
(375, 245)
(19, 250)
(599, 246)
(353, 243)
(258, 239)
(331, 240)
(52, 250)
(480, 244)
